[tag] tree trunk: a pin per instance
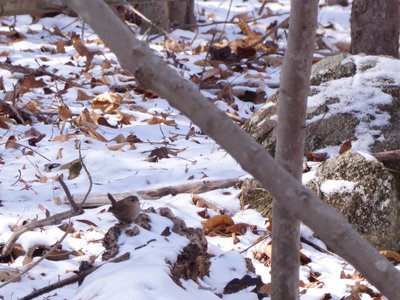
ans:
(153, 73)
(158, 13)
(292, 110)
(181, 13)
(375, 26)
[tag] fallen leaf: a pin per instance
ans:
(390, 254)
(82, 95)
(60, 46)
(11, 143)
(238, 229)
(346, 146)
(33, 141)
(107, 102)
(64, 113)
(220, 220)
(87, 222)
(316, 156)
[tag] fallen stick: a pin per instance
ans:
(70, 280)
(390, 159)
(154, 194)
(36, 72)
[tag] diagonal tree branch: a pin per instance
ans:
(153, 73)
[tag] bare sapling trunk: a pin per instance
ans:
(375, 27)
(292, 107)
(158, 13)
(153, 73)
(181, 13)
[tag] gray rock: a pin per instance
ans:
(367, 195)
(371, 203)
(339, 85)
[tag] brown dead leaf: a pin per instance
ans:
(107, 102)
(157, 120)
(270, 47)
(245, 28)
(118, 147)
(159, 153)
(346, 146)
(391, 255)
(245, 52)
(84, 51)
(119, 139)
(33, 141)
(238, 229)
(45, 210)
(82, 96)
(87, 222)
(11, 143)
(220, 220)
(63, 137)
(125, 119)
(235, 239)
(60, 46)
(133, 139)
(103, 121)
(64, 113)
(221, 54)
(3, 124)
(174, 45)
(316, 156)
(29, 82)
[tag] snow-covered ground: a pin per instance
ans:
(29, 190)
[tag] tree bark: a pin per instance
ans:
(181, 13)
(32, 7)
(153, 73)
(292, 111)
(158, 13)
(375, 26)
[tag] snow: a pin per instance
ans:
(27, 190)
(337, 186)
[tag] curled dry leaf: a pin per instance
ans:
(346, 146)
(30, 82)
(3, 124)
(107, 102)
(8, 273)
(238, 229)
(217, 221)
(64, 113)
(103, 121)
(33, 141)
(11, 143)
(316, 156)
(391, 255)
(81, 95)
(125, 119)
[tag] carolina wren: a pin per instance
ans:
(126, 210)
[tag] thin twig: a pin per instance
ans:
(206, 58)
(52, 220)
(269, 32)
(226, 19)
(70, 280)
(89, 177)
(67, 193)
(259, 240)
(31, 266)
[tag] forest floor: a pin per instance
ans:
(71, 94)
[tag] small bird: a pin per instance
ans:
(126, 210)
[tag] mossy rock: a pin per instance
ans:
(333, 115)
(366, 194)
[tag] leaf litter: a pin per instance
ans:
(72, 90)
